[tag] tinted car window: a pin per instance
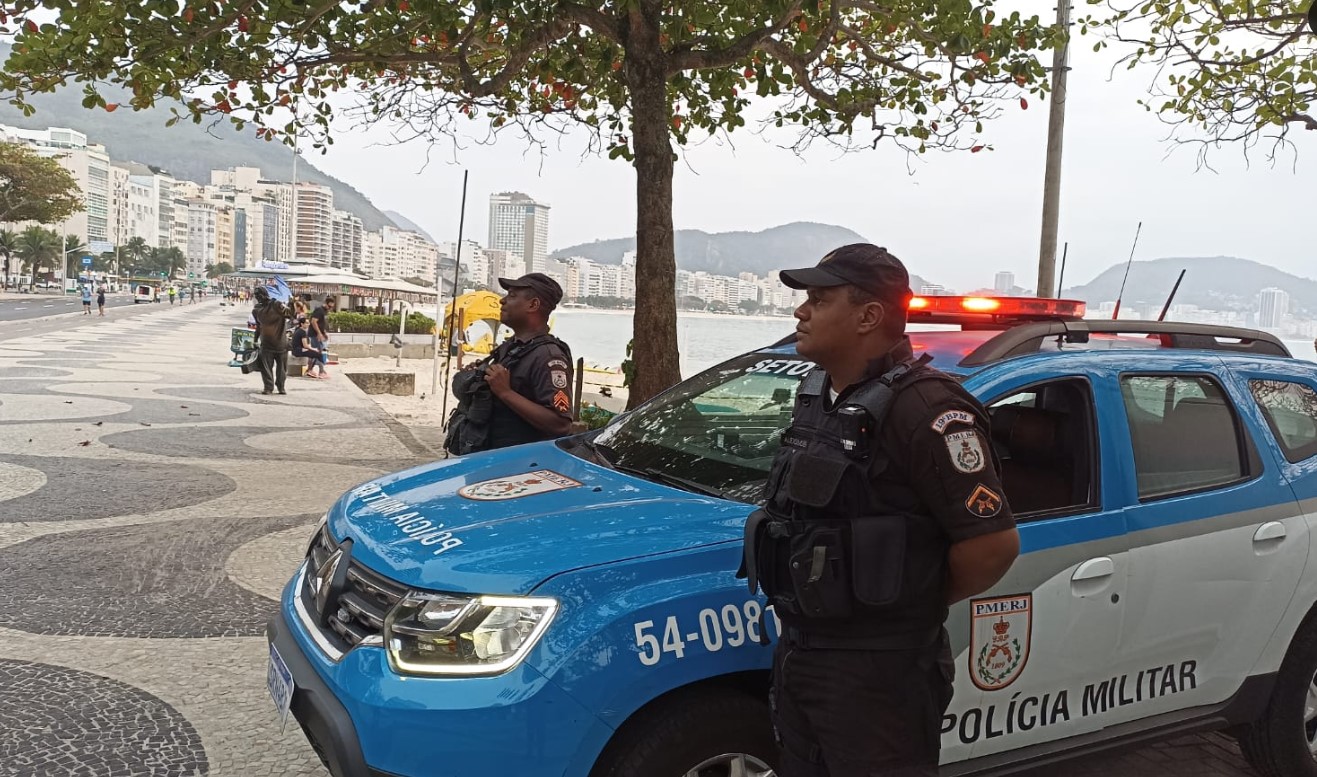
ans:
(1184, 434)
(1291, 411)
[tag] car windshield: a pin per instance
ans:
(715, 433)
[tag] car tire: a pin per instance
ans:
(1277, 743)
(695, 733)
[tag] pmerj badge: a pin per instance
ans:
(525, 484)
(966, 449)
(999, 640)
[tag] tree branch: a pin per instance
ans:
(706, 59)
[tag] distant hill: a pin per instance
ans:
(799, 244)
(1216, 282)
(188, 151)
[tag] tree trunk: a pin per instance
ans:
(655, 353)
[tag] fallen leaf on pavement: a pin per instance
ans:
(98, 423)
(68, 401)
(143, 423)
(85, 443)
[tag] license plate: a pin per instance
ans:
(279, 681)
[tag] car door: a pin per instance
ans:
(1218, 543)
(1029, 645)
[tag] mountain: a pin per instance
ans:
(1214, 282)
(800, 244)
(407, 224)
(188, 151)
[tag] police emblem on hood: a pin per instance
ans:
(1000, 629)
(525, 484)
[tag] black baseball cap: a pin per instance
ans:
(864, 265)
(546, 288)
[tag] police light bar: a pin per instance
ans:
(972, 310)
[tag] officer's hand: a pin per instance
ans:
(498, 378)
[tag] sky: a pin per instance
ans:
(957, 220)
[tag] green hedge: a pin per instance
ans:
(369, 323)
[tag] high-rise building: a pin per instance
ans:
(345, 248)
(90, 167)
(396, 253)
(315, 223)
(200, 221)
(520, 226)
(1273, 306)
(1004, 282)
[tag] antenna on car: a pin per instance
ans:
(1115, 314)
(1174, 289)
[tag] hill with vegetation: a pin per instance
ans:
(799, 244)
(1213, 282)
(187, 151)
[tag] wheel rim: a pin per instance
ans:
(742, 765)
(1310, 716)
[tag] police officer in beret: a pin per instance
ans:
(884, 505)
(522, 392)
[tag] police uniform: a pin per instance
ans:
(865, 496)
(540, 369)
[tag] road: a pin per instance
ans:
(147, 527)
(16, 307)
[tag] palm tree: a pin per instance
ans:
(136, 251)
(177, 260)
(38, 248)
(8, 247)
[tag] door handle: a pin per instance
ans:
(1094, 569)
(1270, 531)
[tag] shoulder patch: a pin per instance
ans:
(984, 502)
(559, 378)
(950, 417)
(561, 402)
(966, 450)
(556, 363)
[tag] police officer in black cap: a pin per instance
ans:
(884, 506)
(522, 392)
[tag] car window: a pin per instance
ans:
(1184, 433)
(1291, 411)
(1044, 436)
(719, 430)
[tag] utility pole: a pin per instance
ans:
(1052, 177)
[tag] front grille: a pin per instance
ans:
(356, 610)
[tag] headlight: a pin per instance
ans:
(440, 634)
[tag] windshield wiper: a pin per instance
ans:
(676, 481)
(608, 457)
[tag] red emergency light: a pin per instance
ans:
(973, 310)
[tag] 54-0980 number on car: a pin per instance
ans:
(732, 625)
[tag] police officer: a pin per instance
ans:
(884, 506)
(522, 392)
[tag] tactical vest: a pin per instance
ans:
(469, 423)
(826, 550)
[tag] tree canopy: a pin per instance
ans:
(638, 75)
(1226, 70)
(35, 188)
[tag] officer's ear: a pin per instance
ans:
(872, 316)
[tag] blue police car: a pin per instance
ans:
(570, 607)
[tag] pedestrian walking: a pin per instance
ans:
(172, 292)
(100, 300)
(271, 317)
(86, 300)
(884, 505)
(320, 332)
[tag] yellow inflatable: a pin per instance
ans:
(466, 310)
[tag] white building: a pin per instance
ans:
(315, 223)
(1273, 307)
(1004, 282)
(90, 167)
(345, 249)
(202, 242)
(520, 226)
(396, 253)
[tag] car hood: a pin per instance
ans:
(504, 521)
